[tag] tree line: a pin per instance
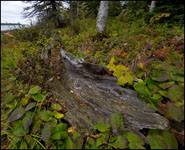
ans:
(55, 13)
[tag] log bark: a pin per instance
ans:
(95, 97)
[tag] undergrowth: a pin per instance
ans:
(147, 58)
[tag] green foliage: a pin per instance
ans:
(162, 140)
(116, 123)
(120, 71)
(135, 142)
(102, 127)
(129, 40)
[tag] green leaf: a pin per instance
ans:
(116, 123)
(24, 101)
(8, 87)
(151, 84)
(135, 142)
(36, 89)
(30, 106)
(178, 77)
(59, 135)
(58, 115)
(59, 127)
(38, 97)
(162, 140)
(16, 114)
(174, 112)
(166, 85)
(27, 120)
(102, 127)
(161, 76)
(19, 131)
(156, 97)
(23, 145)
(68, 143)
(29, 140)
(133, 138)
(56, 107)
(75, 135)
(101, 139)
(36, 126)
(120, 142)
(8, 98)
(163, 93)
(176, 93)
(46, 133)
(135, 146)
(45, 115)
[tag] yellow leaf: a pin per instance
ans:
(58, 115)
(122, 81)
(24, 101)
(140, 65)
(71, 129)
(71, 91)
(178, 104)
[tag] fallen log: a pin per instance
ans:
(92, 96)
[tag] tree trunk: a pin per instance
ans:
(71, 14)
(93, 96)
(77, 10)
(102, 16)
(152, 6)
(54, 12)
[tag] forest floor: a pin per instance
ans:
(31, 116)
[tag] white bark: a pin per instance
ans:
(152, 6)
(102, 16)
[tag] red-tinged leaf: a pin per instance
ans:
(16, 114)
(46, 133)
(30, 106)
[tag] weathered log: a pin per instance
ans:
(95, 96)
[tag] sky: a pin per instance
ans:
(11, 12)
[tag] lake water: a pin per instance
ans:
(9, 27)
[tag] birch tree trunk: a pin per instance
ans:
(71, 14)
(77, 10)
(152, 6)
(102, 16)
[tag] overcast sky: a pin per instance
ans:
(11, 12)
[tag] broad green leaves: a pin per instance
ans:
(19, 131)
(102, 127)
(45, 115)
(35, 90)
(176, 93)
(116, 123)
(27, 121)
(8, 98)
(30, 106)
(119, 142)
(16, 114)
(46, 133)
(56, 107)
(35, 93)
(38, 97)
(135, 142)
(162, 140)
